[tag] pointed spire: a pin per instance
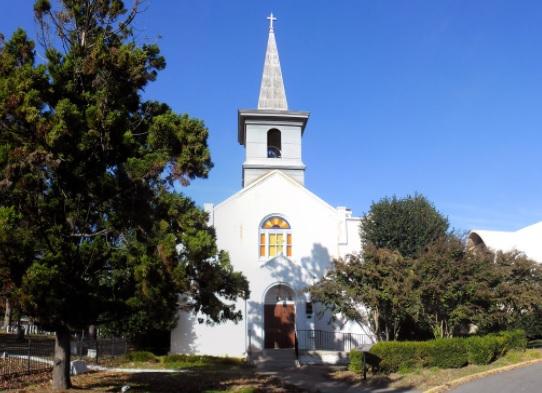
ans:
(272, 93)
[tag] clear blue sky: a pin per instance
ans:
(438, 97)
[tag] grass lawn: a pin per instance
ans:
(176, 362)
(427, 378)
(198, 374)
(194, 381)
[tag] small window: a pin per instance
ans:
(274, 145)
(275, 238)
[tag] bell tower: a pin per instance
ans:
(272, 133)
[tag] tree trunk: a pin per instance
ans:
(7, 315)
(61, 367)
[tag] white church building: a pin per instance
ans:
(279, 234)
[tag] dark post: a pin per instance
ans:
(364, 366)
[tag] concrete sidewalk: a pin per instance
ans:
(314, 379)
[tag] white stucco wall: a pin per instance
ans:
(320, 233)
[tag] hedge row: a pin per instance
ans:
(393, 356)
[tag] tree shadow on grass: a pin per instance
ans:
(186, 382)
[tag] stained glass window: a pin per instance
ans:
(262, 244)
(275, 238)
(276, 223)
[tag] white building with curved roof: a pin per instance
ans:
(527, 240)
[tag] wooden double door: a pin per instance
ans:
(279, 325)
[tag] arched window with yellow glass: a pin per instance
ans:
(275, 237)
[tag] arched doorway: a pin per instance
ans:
(279, 317)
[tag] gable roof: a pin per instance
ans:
(265, 178)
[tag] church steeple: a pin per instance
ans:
(272, 93)
(271, 133)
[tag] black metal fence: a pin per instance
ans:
(35, 355)
(95, 350)
(27, 357)
(322, 340)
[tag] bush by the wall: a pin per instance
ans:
(395, 355)
(484, 349)
(446, 353)
(515, 339)
(442, 353)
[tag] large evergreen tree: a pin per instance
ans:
(91, 229)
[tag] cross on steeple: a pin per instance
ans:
(271, 19)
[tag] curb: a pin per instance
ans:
(469, 378)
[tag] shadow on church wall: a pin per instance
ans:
(299, 276)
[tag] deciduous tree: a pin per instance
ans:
(456, 287)
(377, 289)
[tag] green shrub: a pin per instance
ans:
(406, 355)
(514, 339)
(400, 354)
(355, 361)
(484, 349)
(141, 356)
(446, 353)
(441, 353)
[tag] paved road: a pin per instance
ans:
(521, 380)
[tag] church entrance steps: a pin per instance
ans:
(274, 359)
(322, 357)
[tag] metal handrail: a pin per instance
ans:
(296, 345)
(330, 340)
